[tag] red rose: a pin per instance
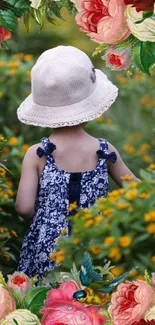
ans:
(141, 5)
(4, 34)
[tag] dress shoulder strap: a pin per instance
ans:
(103, 153)
(48, 146)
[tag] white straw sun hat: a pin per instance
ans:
(66, 90)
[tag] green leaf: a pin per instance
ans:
(8, 20)
(20, 6)
(100, 48)
(124, 44)
(17, 297)
(147, 277)
(143, 56)
(2, 281)
(27, 21)
(145, 15)
(145, 175)
(14, 320)
(34, 300)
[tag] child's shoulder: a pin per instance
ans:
(31, 152)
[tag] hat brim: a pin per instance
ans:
(88, 109)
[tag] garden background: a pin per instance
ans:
(126, 234)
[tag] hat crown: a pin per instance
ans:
(62, 76)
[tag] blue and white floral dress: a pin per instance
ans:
(57, 189)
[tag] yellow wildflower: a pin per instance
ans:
(88, 223)
(117, 270)
(13, 64)
(14, 233)
(25, 147)
(100, 119)
(3, 229)
(2, 139)
(130, 195)
(122, 206)
(140, 277)
(152, 166)
(72, 206)
(144, 148)
(9, 183)
(13, 141)
(2, 64)
(144, 195)
(1, 94)
(28, 73)
(122, 79)
(13, 72)
(98, 220)
(9, 192)
(62, 251)
(125, 241)
(95, 249)
(63, 232)
(2, 172)
(109, 240)
(20, 55)
(59, 259)
(132, 184)
(115, 253)
(133, 273)
(5, 149)
(153, 258)
(28, 57)
(149, 216)
(151, 228)
(108, 121)
(129, 149)
(147, 158)
(127, 177)
(87, 216)
(108, 211)
(53, 255)
(76, 241)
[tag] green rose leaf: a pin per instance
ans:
(8, 20)
(143, 56)
(20, 6)
(34, 300)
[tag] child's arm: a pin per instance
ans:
(28, 185)
(119, 169)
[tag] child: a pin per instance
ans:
(69, 166)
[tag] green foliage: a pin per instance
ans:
(143, 54)
(34, 299)
(120, 227)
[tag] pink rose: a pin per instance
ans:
(130, 302)
(19, 282)
(7, 303)
(103, 20)
(117, 59)
(62, 309)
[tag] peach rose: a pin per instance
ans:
(62, 309)
(117, 59)
(103, 20)
(7, 303)
(130, 302)
(19, 282)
